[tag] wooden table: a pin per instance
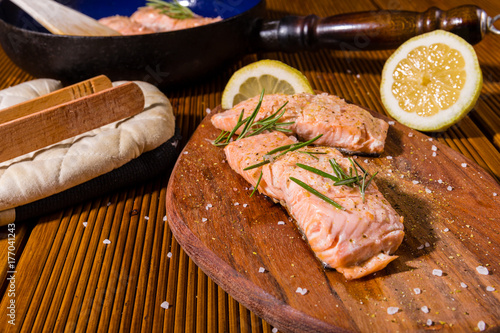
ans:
(66, 281)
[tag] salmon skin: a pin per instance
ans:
(344, 126)
(356, 240)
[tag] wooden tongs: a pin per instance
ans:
(65, 113)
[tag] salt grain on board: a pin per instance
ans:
(463, 285)
(464, 165)
(429, 322)
(245, 205)
(106, 241)
(417, 291)
(424, 309)
(392, 310)
(281, 223)
(85, 224)
(389, 157)
(146, 217)
(169, 255)
(437, 272)
(301, 291)
(203, 219)
(165, 305)
(208, 110)
(415, 182)
(446, 229)
(481, 325)
(274, 330)
(165, 218)
(495, 194)
(434, 148)
(490, 288)
(449, 188)
(262, 269)
(482, 270)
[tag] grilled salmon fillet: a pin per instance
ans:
(343, 125)
(357, 240)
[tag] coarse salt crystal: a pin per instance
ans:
(415, 182)
(428, 190)
(165, 305)
(420, 247)
(208, 206)
(391, 122)
(440, 181)
(481, 325)
(208, 110)
(437, 272)
(464, 165)
(175, 143)
(274, 330)
(106, 241)
(417, 291)
(495, 194)
(424, 309)
(434, 154)
(245, 205)
(281, 222)
(430, 139)
(389, 157)
(463, 285)
(236, 203)
(427, 244)
(203, 219)
(429, 322)
(366, 161)
(449, 188)
(146, 217)
(85, 224)
(262, 270)
(490, 288)
(410, 134)
(434, 148)
(169, 255)
(446, 229)
(185, 153)
(482, 270)
(301, 291)
(358, 76)
(392, 310)
(165, 218)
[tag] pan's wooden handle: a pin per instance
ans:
(370, 30)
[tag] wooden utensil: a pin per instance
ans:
(66, 94)
(49, 126)
(451, 225)
(62, 20)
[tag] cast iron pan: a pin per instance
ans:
(177, 57)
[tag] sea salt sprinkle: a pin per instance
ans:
(481, 325)
(203, 219)
(490, 288)
(389, 157)
(106, 241)
(428, 190)
(146, 217)
(440, 181)
(262, 269)
(165, 218)
(482, 270)
(236, 203)
(85, 224)
(449, 188)
(245, 205)
(415, 182)
(429, 322)
(274, 330)
(434, 148)
(281, 222)
(169, 255)
(392, 310)
(463, 285)
(446, 229)
(424, 309)
(464, 165)
(417, 291)
(165, 305)
(208, 111)
(391, 122)
(301, 291)
(495, 194)
(208, 206)
(437, 272)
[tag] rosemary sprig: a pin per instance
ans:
(252, 127)
(283, 149)
(172, 9)
(312, 153)
(256, 185)
(342, 178)
(316, 193)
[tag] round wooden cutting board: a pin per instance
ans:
(452, 225)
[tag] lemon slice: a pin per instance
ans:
(431, 81)
(271, 75)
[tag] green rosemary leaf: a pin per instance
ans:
(348, 181)
(317, 171)
(253, 166)
(172, 9)
(316, 193)
(239, 123)
(256, 185)
(251, 118)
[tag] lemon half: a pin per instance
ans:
(431, 81)
(271, 75)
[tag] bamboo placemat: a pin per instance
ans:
(69, 280)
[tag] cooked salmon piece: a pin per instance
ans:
(343, 125)
(153, 19)
(356, 240)
(125, 25)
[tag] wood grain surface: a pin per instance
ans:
(450, 205)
